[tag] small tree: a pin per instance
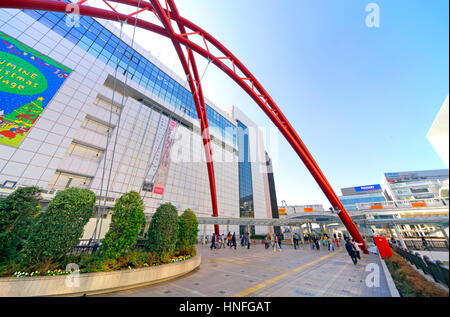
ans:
(58, 229)
(187, 232)
(17, 213)
(163, 230)
(126, 223)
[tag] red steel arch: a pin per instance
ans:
(236, 71)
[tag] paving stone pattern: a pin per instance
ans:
(266, 273)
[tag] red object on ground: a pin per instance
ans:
(383, 247)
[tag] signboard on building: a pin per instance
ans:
(368, 188)
(28, 82)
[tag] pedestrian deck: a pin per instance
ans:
(264, 273)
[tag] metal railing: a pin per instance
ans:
(90, 246)
(429, 245)
(434, 202)
(438, 271)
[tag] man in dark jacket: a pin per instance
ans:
(213, 242)
(351, 250)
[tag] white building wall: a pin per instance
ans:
(83, 96)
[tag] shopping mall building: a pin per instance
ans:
(84, 106)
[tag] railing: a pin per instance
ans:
(435, 202)
(90, 246)
(436, 269)
(429, 245)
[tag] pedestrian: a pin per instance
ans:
(294, 240)
(356, 244)
(275, 243)
(266, 242)
(213, 242)
(350, 247)
(223, 241)
(280, 239)
(233, 241)
(229, 239)
(218, 240)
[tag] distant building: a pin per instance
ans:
(415, 185)
(438, 134)
(368, 194)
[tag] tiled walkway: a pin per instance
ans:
(264, 273)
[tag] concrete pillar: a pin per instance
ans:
(301, 235)
(204, 234)
(399, 235)
(444, 233)
(309, 227)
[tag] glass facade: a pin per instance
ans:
(246, 206)
(104, 45)
(350, 202)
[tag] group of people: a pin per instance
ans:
(219, 241)
(273, 241)
(353, 249)
(323, 241)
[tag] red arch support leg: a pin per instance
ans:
(236, 71)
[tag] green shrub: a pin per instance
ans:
(187, 230)
(409, 282)
(126, 223)
(163, 232)
(17, 213)
(57, 230)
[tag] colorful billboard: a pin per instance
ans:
(28, 82)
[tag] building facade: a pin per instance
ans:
(85, 106)
(415, 185)
(438, 133)
(353, 197)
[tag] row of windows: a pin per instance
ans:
(350, 201)
(102, 44)
(245, 173)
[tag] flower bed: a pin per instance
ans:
(409, 282)
(95, 283)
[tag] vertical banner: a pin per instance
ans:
(28, 82)
(163, 169)
(155, 155)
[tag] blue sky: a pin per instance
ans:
(362, 99)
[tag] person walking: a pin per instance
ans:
(350, 247)
(213, 242)
(357, 248)
(280, 239)
(275, 243)
(233, 241)
(294, 240)
(218, 240)
(229, 239)
(222, 241)
(266, 242)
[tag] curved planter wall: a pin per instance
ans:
(94, 283)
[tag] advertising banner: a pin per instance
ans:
(163, 169)
(155, 155)
(28, 82)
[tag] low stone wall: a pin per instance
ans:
(94, 283)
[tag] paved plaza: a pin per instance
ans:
(264, 273)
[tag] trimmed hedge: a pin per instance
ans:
(187, 231)
(163, 231)
(126, 224)
(57, 230)
(409, 282)
(17, 213)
